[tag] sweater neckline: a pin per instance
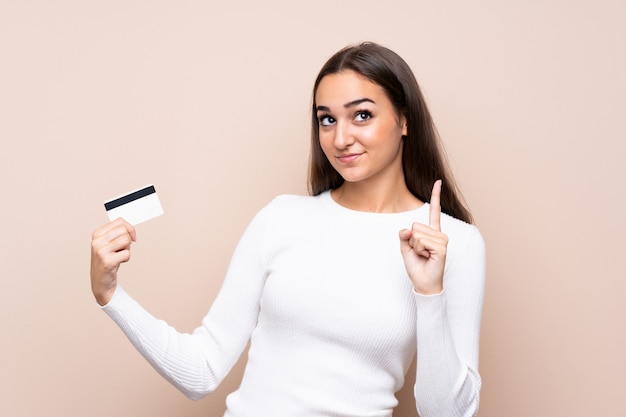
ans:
(328, 200)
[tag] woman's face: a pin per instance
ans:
(360, 131)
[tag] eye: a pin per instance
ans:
(363, 116)
(325, 120)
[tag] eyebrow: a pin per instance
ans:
(349, 104)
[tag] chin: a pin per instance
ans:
(353, 179)
(350, 175)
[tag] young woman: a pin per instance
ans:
(336, 291)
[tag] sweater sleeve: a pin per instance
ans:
(196, 363)
(448, 328)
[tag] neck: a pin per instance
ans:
(376, 198)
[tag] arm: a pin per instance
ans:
(196, 363)
(448, 316)
(448, 328)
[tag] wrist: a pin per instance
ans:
(428, 290)
(103, 295)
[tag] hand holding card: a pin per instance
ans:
(135, 207)
(110, 244)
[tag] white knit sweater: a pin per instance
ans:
(322, 294)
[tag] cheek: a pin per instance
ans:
(369, 136)
(387, 143)
(326, 143)
(375, 137)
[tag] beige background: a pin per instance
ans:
(210, 102)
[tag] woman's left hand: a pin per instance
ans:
(424, 249)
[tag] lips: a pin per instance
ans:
(348, 158)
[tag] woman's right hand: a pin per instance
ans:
(110, 246)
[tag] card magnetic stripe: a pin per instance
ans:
(129, 198)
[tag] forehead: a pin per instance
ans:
(342, 87)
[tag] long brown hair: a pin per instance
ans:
(423, 156)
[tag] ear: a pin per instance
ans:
(404, 125)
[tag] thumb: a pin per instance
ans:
(405, 235)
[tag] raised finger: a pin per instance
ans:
(435, 206)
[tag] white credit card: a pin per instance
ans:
(135, 207)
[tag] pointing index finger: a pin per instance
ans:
(435, 206)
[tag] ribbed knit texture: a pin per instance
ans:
(322, 294)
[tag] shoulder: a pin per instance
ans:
(453, 226)
(288, 200)
(285, 208)
(461, 235)
(291, 203)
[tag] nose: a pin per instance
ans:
(343, 136)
